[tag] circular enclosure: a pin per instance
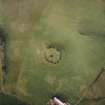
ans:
(53, 54)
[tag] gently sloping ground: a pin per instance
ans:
(61, 25)
(94, 93)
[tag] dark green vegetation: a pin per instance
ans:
(10, 100)
(54, 47)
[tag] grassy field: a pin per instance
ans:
(10, 100)
(71, 31)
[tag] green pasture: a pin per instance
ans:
(76, 31)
